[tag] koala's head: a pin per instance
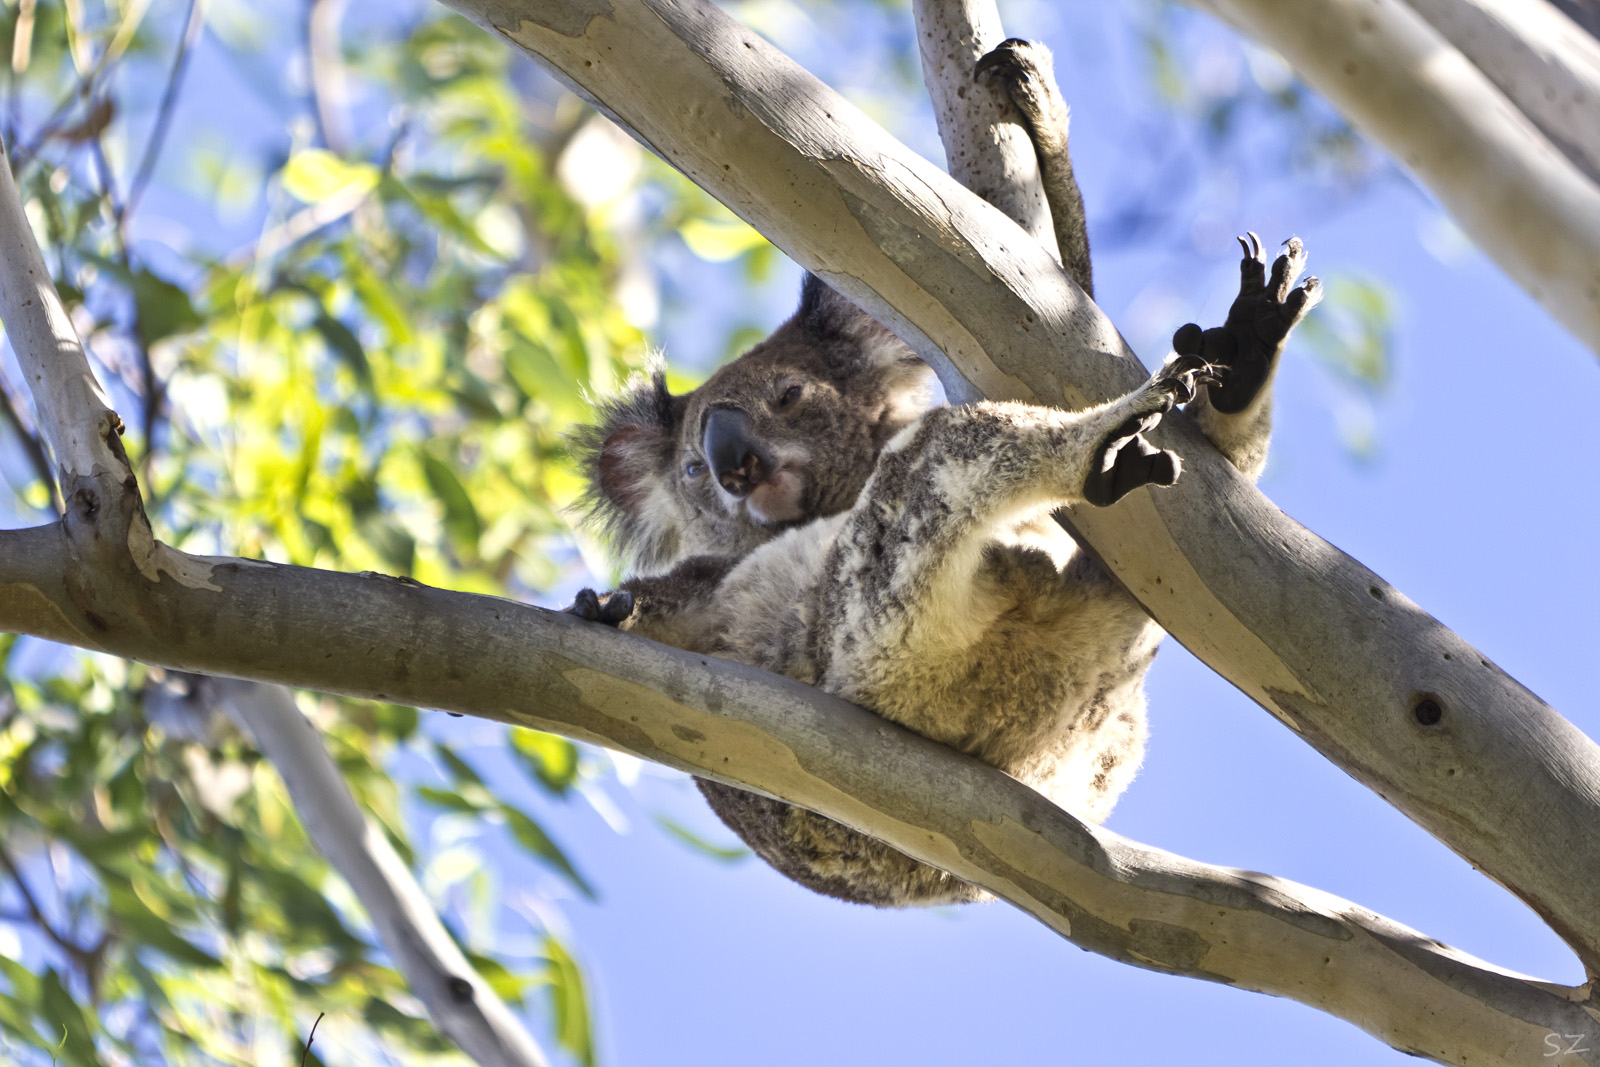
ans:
(786, 433)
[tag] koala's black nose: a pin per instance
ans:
(737, 459)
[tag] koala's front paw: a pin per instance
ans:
(1027, 71)
(1124, 461)
(1246, 347)
(612, 609)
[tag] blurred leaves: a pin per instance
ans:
(720, 853)
(1351, 334)
(360, 361)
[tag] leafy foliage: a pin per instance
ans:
(361, 356)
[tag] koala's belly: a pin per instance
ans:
(1051, 690)
(1051, 684)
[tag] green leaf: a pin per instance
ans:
(66, 1018)
(141, 924)
(449, 800)
(314, 175)
(460, 517)
(569, 1002)
(1352, 332)
(459, 768)
(533, 838)
(550, 760)
(164, 309)
(720, 239)
(346, 347)
(721, 853)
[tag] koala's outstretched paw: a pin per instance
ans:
(612, 610)
(1125, 460)
(1027, 71)
(1246, 347)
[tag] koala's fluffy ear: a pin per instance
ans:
(860, 350)
(628, 458)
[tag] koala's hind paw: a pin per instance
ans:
(1246, 347)
(1027, 71)
(613, 610)
(1125, 460)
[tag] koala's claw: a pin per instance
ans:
(613, 611)
(1027, 71)
(1182, 377)
(1245, 349)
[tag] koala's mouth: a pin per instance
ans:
(777, 500)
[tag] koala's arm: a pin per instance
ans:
(1236, 411)
(902, 582)
(1027, 71)
(679, 608)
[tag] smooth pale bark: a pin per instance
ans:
(391, 639)
(986, 149)
(105, 532)
(461, 1004)
(75, 417)
(1309, 633)
(1543, 61)
(1402, 84)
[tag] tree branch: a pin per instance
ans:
(1543, 61)
(985, 146)
(461, 1004)
(1402, 84)
(75, 417)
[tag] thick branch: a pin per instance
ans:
(985, 145)
(392, 639)
(75, 418)
(1307, 632)
(1542, 60)
(460, 1003)
(1403, 85)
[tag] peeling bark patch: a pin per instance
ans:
(1167, 945)
(569, 18)
(686, 734)
(598, 703)
(26, 609)
(195, 572)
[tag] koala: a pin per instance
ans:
(807, 512)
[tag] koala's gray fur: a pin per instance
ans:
(802, 511)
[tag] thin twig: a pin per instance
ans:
(169, 98)
(83, 957)
(312, 1036)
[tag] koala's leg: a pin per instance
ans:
(1236, 412)
(1028, 73)
(901, 580)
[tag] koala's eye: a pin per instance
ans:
(694, 468)
(790, 395)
